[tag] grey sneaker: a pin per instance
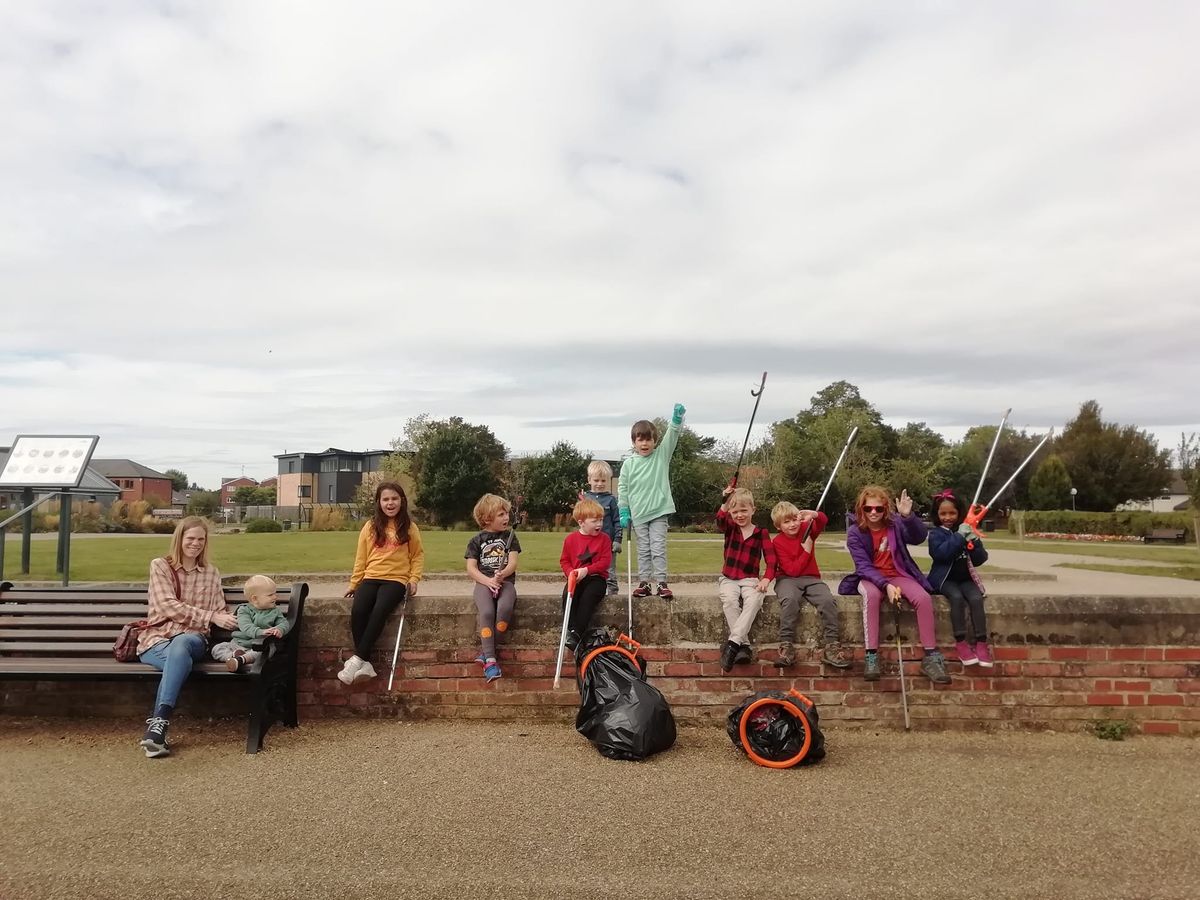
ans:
(933, 666)
(871, 668)
(154, 742)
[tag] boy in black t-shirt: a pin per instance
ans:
(492, 564)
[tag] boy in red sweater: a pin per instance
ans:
(799, 579)
(588, 553)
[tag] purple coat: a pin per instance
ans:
(903, 530)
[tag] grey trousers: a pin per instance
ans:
(792, 592)
(652, 549)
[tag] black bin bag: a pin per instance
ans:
(622, 715)
(776, 729)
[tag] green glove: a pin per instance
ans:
(677, 415)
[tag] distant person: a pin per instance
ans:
(600, 489)
(185, 600)
(492, 564)
(257, 619)
(956, 550)
(387, 568)
(747, 572)
(883, 567)
(798, 580)
(586, 552)
(645, 499)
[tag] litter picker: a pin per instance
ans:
(976, 513)
(900, 662)
(832, 475)
(629, 578)
(987, 465)
(396, 651)
(562, 638)
(512, 532)
(757, 395)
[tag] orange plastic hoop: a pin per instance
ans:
(790, 707)
(607, 649)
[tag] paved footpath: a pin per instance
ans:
(374, 809)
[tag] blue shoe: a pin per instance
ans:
(492, 670)
(481, 659)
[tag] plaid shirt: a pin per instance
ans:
(170, 615)
(742, 555)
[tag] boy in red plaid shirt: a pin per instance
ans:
(741, 589)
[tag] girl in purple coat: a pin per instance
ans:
(883, 567)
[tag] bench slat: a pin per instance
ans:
(59, 634)
(55, 647)
(59, 667)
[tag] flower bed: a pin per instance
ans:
(1090, 538)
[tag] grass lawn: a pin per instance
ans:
(127, 558)
(1187, 554)
(1191, 573)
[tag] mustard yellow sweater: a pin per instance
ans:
(391, 562)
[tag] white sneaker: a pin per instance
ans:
(350, 669)
(365, 672)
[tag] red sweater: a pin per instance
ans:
(791, 557)
(595, 552)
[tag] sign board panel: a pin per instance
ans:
(48, 460)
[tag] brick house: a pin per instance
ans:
(137, 482)
(229, 485)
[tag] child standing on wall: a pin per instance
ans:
(883, 567)
(492, 564)
(586, 552)
(798, 579)
(739, 586)
(257, 618)
(956, 550)
(600, 489)
(645, 499)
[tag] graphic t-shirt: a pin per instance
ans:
(883, 553)
(488, 550)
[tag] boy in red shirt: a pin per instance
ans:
(799, 579)
(739, 586)
(587, 552)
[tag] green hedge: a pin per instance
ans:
(1131, 523)
(260, 526)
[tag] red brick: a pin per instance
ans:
(1135, 699)
(1160, 728)
(1175, 653)
(1007, 653)
(1068, 653)
(1042, 669)
(1166, 670)
(1142, 686)
(1102, 684)
(1188, 685)
(1165, 699)
(1127, 653)
(1105, 700)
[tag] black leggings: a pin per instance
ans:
(588, 594)
(374, 601)
(961, 595)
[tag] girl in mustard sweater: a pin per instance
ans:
(387, 568)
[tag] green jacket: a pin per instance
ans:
(252, 622)
(645, 481)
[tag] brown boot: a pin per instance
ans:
(787, 655)
(835, 655)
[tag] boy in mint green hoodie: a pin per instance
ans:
(645, 499)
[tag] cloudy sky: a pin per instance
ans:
(231, 229)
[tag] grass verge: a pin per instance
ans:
(1191, 573)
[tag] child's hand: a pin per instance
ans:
(581, 572)
(895, 595)
(966, 531)
(806, 516)
(412, 589)
(763, 584)
(616, 547)
(349, 593)
(904, 504)
(728, 490)
(273, 632)
(624, 515)
(677, 416)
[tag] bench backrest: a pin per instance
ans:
(80, 623)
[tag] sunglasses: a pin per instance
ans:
(874, 508)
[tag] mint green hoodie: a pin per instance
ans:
(645, 482)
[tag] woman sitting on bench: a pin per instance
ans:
(185, 600)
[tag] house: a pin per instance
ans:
(270, 483)
(93, 487)
(229, 485)
(1175, 497)
(331, 476)
(137, 482)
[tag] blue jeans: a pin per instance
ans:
(174, 659)
(652, 549)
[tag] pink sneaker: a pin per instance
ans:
(966, 655)
(983, 654)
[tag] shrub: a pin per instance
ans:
(262, 526)
(327, 518)
(1110, 729)
(155, 525)
(1134, 523)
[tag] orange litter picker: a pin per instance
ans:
(562, 638)
(987, 465)
(976, 513)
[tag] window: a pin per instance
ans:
(291, 466)
(331, 493)
(329, 464)
(304, 490)
(349, 465)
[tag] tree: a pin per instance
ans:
(1187, 454)
(454, 462)
(246, 495)
(264, 496)
(697, 474)
(1110, 463)
(1194, 489)
(550, 483)
(179, 481)
(966, 460)
(1050, 486)
(203, 503)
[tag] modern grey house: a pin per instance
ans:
(331, 476)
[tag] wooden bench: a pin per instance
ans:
(1172, 535)
(68, 633)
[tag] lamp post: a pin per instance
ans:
(1073, 493)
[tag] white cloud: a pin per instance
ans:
(231, 229)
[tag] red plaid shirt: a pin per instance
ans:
(742, 555)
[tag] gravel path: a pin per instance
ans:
(369, 809)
